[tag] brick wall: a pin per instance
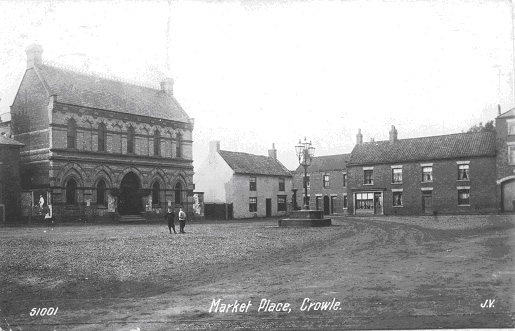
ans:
(504, 168)
(29, 109)
(445, 184)
(316, 188)
(10, 182)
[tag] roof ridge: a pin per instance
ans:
(426, 137)
(224, 150)
(340, 154)
(96, 74)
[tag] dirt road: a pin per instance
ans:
(385, 273)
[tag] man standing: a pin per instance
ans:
(182, 220)
(170, 216)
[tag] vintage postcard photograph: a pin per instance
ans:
(257, 165)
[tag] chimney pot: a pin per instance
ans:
(393, 135)
(34, 55)
(273, 152)
(214, 146)
(167, 86)
(359, 137)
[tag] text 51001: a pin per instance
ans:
(43, 311)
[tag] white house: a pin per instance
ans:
(243, 185)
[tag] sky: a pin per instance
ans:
(257, 73)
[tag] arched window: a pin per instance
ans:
(101, 193)
(157, 142)
(178, 145)
(130, 140)
(71, 192)
(102, 135)
(178, 192)
(155, 193)
(71, 134)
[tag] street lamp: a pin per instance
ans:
(305, 152)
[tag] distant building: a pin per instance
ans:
(97, 147)
(327, 182)
(10, 200)
(242, 185)
(505, 165)
(449, 174)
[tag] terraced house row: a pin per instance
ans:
(459, 173)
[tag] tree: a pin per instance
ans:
(489, 126)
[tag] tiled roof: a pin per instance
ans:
(426, 148)
(509, 113)
(327, 163)
(8, 141)
(96, 92)
(245, 163)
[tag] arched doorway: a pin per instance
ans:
(129, 202)
(508, 195)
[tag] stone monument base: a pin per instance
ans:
(305, 218)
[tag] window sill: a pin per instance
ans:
(428, 181)
(463, 205)
(368, 184)
(463, 180)
(397, 183)
(397, 206)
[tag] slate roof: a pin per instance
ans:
(81, 89)
(244, 163)
(450, 146)
(8, 141)
(327, 163)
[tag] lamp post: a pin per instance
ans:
(305, 152)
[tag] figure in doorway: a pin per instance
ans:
(41, 202)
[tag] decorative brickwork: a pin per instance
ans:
(77, 127)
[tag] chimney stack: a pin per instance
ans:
(499, 110)
(214, 146)
(167, 86)
(272, 152)
(34, 55)
(359, 137)
(393, 135)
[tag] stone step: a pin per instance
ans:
(132, 219)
